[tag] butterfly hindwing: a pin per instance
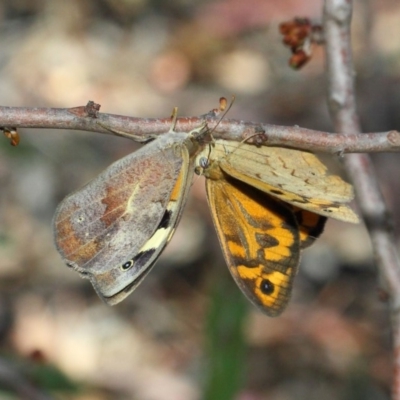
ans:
(310, 225)
(131, 273)
(296, 177)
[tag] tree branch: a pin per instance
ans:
(88, 119)
(337, 18)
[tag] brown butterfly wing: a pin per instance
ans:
(260, 241)
(132, 272)
(294, 176)
(105, 224)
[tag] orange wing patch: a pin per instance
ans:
(260, 240)
(311, 226)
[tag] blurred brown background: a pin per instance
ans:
(142, 58)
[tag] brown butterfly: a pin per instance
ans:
(113, 230)
(267, 205)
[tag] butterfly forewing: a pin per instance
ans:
(260, 241)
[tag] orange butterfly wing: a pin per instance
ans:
(260, 240)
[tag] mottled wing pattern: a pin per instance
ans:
(260, 241)
(112, 230)
(145, 258)
(294, 176)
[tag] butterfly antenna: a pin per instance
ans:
(222, 108)
(174, 116)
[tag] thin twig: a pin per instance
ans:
(273, 135)
(337, 19)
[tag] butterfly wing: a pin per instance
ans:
(142, 262)
(294, 176)
(311, 226)
(112, 230)
(260, 241)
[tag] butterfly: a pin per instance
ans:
(268, 204)
(113, 230)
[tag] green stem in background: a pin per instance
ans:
(225, 346)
